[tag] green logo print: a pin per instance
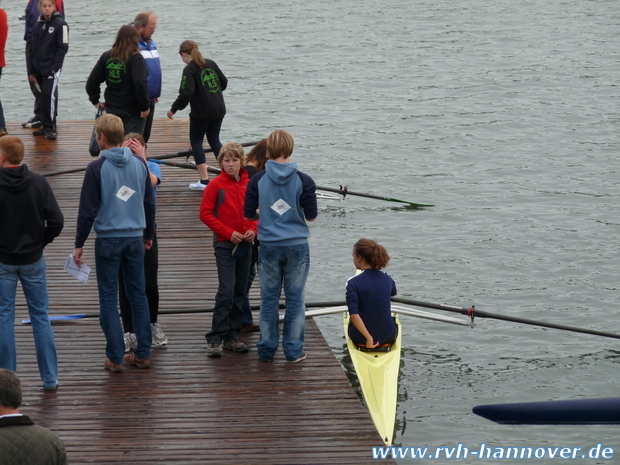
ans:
(184, 83)
(115, 68)
(209, 79)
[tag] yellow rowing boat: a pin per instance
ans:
(377, 371)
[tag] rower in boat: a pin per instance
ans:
(368, 297)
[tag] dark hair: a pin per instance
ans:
(257, 156)
(10, 389)
(126, 43)
(374, 254)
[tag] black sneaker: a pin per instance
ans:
(33, 122)
(39, 132)
(50, 134)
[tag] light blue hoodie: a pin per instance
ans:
(117, 198)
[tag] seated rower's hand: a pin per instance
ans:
(370, 344)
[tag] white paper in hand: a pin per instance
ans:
(81, 273)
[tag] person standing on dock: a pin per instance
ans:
(221, 210)
(21, 441)
(4, 32)
(31, 219)
(137, 145)
(202, 87)
(286, 199)
(117, 199)
(30, 17)
(123, 69)
(49, 43)
(146, 23)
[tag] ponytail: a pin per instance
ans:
(191, 48)
(373, 253)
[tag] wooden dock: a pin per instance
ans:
(187, 409)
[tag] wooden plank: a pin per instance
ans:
(187, 409)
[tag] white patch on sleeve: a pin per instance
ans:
(124, 193)
(65, 35)
(280, 207)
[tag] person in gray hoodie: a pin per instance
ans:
(117, 200)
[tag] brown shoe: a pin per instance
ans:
(113, 367)
(131, 359)
(250, 328)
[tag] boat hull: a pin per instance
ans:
(560, 412)
(378, 376)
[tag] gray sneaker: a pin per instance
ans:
(214, 350)
(236, 346)
(130, 341)
(158, 337)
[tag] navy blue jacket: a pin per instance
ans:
(48, 45)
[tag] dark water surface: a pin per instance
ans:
(504, 114)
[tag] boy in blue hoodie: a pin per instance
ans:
(117, 199)
(286, 199)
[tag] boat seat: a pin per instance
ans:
(379, 348)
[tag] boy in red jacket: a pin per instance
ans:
(222, 211)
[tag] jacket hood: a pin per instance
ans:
(119, 156)
(280, 173)
(15, 180)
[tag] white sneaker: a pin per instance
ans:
(130, 341)
(197, 186)
(158, 337)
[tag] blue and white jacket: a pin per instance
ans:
(153, 66)
(117, 198)
(286, 198)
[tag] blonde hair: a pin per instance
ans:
(13, 148)
(111, 126)
(233, 150)
(279, 144)
(191, 48)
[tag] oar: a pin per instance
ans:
(79, 316)
(471, 312)
(345, 191)
(342, 192)
(185, 153)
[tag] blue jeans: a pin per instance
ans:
(112, 254)
(277, 265)
(34, 283)
(232, 274)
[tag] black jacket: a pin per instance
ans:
(30, 217)
(126, 84)
(48, 45)
(202, 89)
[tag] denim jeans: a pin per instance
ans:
(112, 254)
(34, 284)
(232, 274)
(277, 265)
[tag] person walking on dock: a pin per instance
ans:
(31, 219)
(117, 199)
(286, 198)
(21, 441)
(146, 23)
(202, 87)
